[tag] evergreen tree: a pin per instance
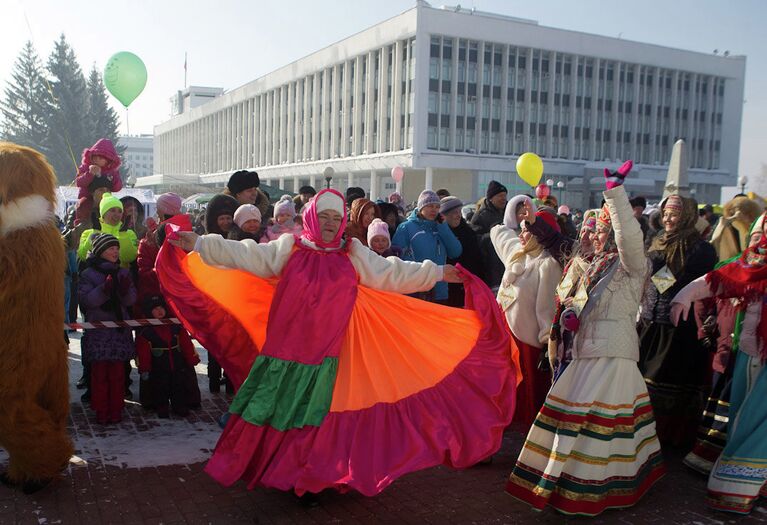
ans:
(69, 124)
(27, 105)
(102, 119)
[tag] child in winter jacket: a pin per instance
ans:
(379, 240)
(165, 355)
(284, 220)
(99, 168)
(247, 224)
(106, 291)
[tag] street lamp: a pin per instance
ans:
(560, 187)
(328, 173)
(742, 181)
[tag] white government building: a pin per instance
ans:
(454, 96)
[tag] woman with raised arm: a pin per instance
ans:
(332, 394)
(593, 445)
(526, 296)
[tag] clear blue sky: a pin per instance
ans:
(232, 42)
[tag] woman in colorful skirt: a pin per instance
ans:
(740, 472)
(672, 360)
(340, 382)
(593, 445)
(712, 431)
(526, 297)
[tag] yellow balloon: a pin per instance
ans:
(530, 168)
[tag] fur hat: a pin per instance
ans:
(109, 201)
(449, 203)
(376, 228)
(285, 205)
(245, 213)
(100, 242)
(242, 180)
(219, 205)
(425, 198)
(168, 204)
(494, 188)
(352, 193)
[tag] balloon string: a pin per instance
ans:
(53, 98)
(127, 121)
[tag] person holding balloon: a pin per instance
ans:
(526, 296)
(593, 445)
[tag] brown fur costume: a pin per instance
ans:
(34, 375)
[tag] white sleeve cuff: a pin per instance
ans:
(198, 244)
(440, 272)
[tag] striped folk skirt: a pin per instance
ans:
(740, 473)
(593, 445)
(712, 431)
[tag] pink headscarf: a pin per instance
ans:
(312, 231)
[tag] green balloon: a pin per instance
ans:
(125, 77)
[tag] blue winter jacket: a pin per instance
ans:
(422, 240)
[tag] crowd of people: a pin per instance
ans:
(615, 363)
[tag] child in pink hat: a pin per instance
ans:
(379, 240)
(284, 220)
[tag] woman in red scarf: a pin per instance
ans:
(740, 473)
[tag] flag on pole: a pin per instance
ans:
(184, 69)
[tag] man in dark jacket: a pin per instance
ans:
(471, 257)
(489, 214)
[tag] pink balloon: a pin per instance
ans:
(542, 191)
(397, 173)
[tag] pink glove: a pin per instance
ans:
(109, 285)
(613, 180)
(569, 320)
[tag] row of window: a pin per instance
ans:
(335, 112)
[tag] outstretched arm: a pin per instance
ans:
(263, 260)
(695, 291)
(392, 274)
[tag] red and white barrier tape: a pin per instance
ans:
(129, 323)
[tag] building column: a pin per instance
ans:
(429, 179)
(373, 185)
(282, 183)
(313, 181)
(350, 179)
(296, 183)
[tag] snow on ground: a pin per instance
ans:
(142, 439)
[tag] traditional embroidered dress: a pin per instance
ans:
(712, 430)
(740, 472)
(334, 394)
(593, 445)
